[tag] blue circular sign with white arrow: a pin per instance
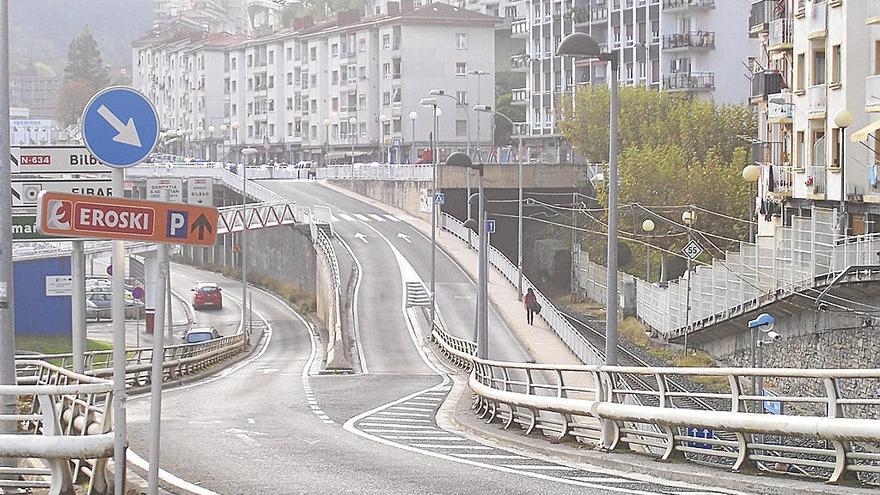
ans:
(120, 126)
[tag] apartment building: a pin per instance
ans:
(817, 59)
(37, 93)
(327, 91)
(692, 47)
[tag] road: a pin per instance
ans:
(271, 424)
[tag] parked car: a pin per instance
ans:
(207, 294)
(196, 335)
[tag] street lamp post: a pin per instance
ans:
(479, 73)
(352, 129)
(843, 119)
(244, 295)
(235, 126)
(467, 115)
(382, 120)
(519, 187)
(412, 117)
(481, 331)
(582, 45)
(326, 140)
(648, 227)
(688, 217)
(751, 174)
(432, 102)
(211, 152)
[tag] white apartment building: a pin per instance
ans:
(817, 59)
(295, 93)
(693, 47)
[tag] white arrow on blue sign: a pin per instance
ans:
(120, 126)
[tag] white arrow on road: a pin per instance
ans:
(361, 237)
(126, 133)
(404, 237)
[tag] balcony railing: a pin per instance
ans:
(762, 13)
(780, 108)
(767, 83)
(694, 39)
(815, 180)
(519, 62)
(770, 153)
(519, 95)
(872, 93)
(816, 99)
(685, 4)
(519, 27)
(816, 19)
(689, 81)
(780, 34)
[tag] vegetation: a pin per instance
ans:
(505, 82)
(299, 298)
(673, 151)
(84, 75)
(315, 10)
(53, 344)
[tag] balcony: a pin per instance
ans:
(780, 34)
(519, 28)
(680, 5)
(815, 182)
(689, 81)
(519, 96)
(872, 93)
(816, 20)
(519, 63)
(816, 101)
(873, 12)
(766, 83)
(586, 15)
(780, 109)
(762, 13)
(774, 159)
(686, 41)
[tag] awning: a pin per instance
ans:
(861, 135)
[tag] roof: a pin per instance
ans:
(444, 11)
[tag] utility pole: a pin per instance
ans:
(7, 322)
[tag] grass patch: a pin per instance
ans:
(299, 298)
(55, 344)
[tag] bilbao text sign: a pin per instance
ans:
(73, 215)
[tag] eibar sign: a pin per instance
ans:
(129, 219)
(200, 191)
(54, 160)
(174, 186)
(25, 192)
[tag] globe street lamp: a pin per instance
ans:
(326, 140)
(843, 119)
(467, 115)
(352, 122)
(688, 217)
(583, 46)
(223, 129)
(235, 126)
(648, 227)
(244, 227)
(751, 174)
(382, 120)
(413, 116)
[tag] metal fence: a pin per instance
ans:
(361, 171)
(827, 435)
(560, 325)
(798, 259)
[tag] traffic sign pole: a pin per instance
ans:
(78, 304)
(118, 312)
(158, 355)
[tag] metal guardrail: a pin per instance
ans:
(65, 419)
(361, 171)
(560, 325)
(541, 397)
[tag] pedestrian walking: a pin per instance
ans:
(530, 302)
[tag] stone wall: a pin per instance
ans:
(405, 195)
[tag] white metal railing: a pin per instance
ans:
(820, 430)
(816, 98)
(780, 106)
(780, 32)
(802, 257)
(64, 418)
(872, 90)
(361, 171)
(560, 325)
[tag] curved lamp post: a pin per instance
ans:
(412, 149)
(648, 227)
(688, 217)
(843, 119)
(751, 174)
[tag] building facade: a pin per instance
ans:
(816, 88)
(327, 91)
(693, 47)
(39, 94)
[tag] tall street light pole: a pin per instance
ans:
(843, 119)
(235, 126)
(352, 128)
(688, 217)
(479, 73)
(412, 149)
(432, 103)
(519, 187)
(751, 174)
(244, 293)
(8, 404)
(582, 45)
(648, 227)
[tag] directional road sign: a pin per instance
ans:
(200, 191)
(174, 186)
(692, 250)
(490, 226)
(120, 126)
(700, 433)
(24, 228)
(130, 219)
(439, 198)
(25, 192)
(54, 160)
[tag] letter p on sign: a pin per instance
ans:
(178, 224)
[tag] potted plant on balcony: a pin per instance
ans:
(812, 185)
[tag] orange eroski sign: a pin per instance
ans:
(100, 217)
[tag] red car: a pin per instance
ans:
(207, 295)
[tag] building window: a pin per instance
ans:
(835, 147)
(386, 98)
(818, 67)
(363, 71)
(836, 64)
(313, 53)
(334, 78)
(818, 155)
(334, 50)
(271, 56)
(800, 150)
(270, 105)
(290, 103)
(250, 131)
(314, 132)
(461, 41)
(250, 84)
(362, 45)
(461, 96)
(250, 108)
(271, 130)
(234, 86)
(290, 128)
(510, 12)
(801, 69)
(334, 104)
(461, 69)
(271, 82)
(363, 128)
(362, 102)
(351, 73)
(396, 123)
(461, 128)
(233, 63)
(313, 80)
(289, 53)
(386, 70)
(386, 41)
(250, 61)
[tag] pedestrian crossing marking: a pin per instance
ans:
(376, 217)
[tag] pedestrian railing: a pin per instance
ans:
(822, 429)
(578, 344)
(64, 418)
(362, 171)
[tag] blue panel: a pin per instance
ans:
(36, 313)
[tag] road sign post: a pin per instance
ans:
(120, 127)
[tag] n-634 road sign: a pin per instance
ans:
(129, 219)
(54, 160)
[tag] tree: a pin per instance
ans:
(673, 151)
(72, 98)
(84, 76)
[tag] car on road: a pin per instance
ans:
(207, 295)
(204, 334)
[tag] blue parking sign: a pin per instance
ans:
(120, 126)
(178, 224)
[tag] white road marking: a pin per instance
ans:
(251, 421)
(246, 439)
(360, 217)
(404, 408)
(414, 427)
(333, 218)
(391, 217)
(376, 217)
(412, 415)
(393, 418)
(599, 479)
(449, 438)
(490, 456)
(541, 467)
(414, 403)
(439, 446)
(346, 217)
(402, 432)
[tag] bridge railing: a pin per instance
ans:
(822, 430)
(363, 171)
(64, 418)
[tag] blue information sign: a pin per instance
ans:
(700, 433)
(120, 126)
(490, 226)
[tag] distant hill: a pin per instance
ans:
(41, 30)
